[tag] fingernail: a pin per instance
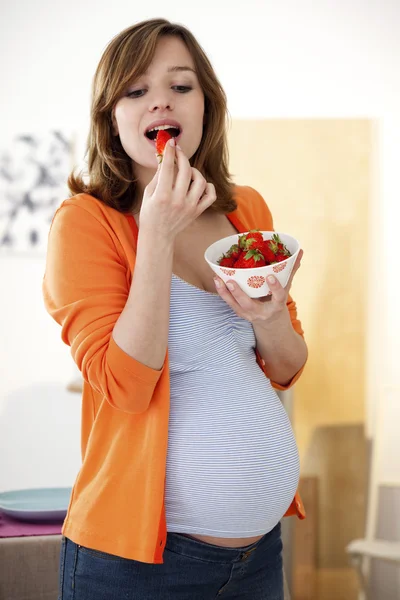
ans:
(217, 283)
(172, 142)
(178, 146)
(271, 279)
(230, 286)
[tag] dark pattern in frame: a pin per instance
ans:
(33, 182)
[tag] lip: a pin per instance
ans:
(171, 122)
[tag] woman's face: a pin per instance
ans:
(168, 94)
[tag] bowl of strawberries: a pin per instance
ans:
(249, 258)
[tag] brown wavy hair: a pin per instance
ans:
(110, 170)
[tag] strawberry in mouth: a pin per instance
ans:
(167, 129)
(151, 134)
(163, 137)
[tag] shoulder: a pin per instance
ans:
(252, 209)
(83, 224)
(83, 210)
(91, 206)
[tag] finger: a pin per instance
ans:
(298, 260)
(207, 199)
(166, 174)
(197, 187)
(279, 293)
(184, 175)
(248, 305)
(295, 269)
(247, 308)
(227, 296)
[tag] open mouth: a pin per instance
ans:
(173, 132)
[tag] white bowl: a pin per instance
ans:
(253, 281)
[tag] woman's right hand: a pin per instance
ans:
(175, 197)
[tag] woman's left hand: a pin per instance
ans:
(258, 311)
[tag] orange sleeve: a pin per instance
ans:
(266, 219)
(85, 289)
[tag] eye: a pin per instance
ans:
(136, 93)
(182, 89)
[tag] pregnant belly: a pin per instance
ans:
(232, 464)
(223, 497)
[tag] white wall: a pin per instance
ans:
(286, 59)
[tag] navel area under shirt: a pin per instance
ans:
(232, 461)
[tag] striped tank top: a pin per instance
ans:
(232, 460)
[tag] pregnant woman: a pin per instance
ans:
(188, 458)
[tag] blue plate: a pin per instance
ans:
(38, 505)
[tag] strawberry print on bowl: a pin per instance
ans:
(256, 281)
(279, 267)
(228, 272)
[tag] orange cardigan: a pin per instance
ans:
(117, 502)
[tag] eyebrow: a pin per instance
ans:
(178, 69)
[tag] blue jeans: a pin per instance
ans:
(192, 570)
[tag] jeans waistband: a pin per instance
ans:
(194, 548)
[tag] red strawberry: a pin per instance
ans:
(253, 239)
(161, 139)
(234, 252)
(278, 247)
(267, 253)
(250, 240)
(250, 259)
(226, 262)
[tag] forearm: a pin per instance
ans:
(142, 328)
(283, 350)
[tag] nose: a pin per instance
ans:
(161, 101)
(160, 106)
